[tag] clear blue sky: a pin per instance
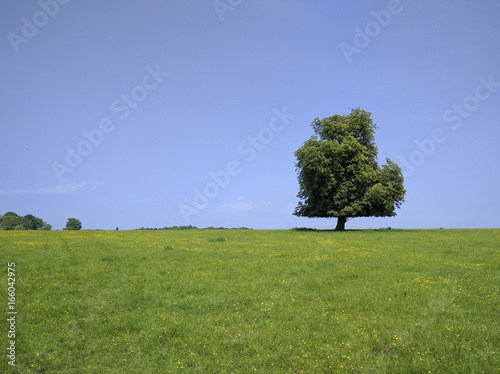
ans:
(161, 113)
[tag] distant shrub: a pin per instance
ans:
(190, 227)
(302, 229)
(215, 240)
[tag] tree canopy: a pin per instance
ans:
(73, 224)
(12, 221)
(339, 175)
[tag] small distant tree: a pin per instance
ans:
(46, 227)
(73, 224)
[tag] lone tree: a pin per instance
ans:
(73, 224)
(339, 175)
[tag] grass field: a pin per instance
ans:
(242, 301)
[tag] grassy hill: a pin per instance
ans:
(241, 301)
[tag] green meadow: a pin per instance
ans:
(242, 301)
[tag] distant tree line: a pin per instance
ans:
(12, 221)
(191, 227)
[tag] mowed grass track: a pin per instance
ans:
(241, 301)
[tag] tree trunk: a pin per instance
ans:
(341, 224)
